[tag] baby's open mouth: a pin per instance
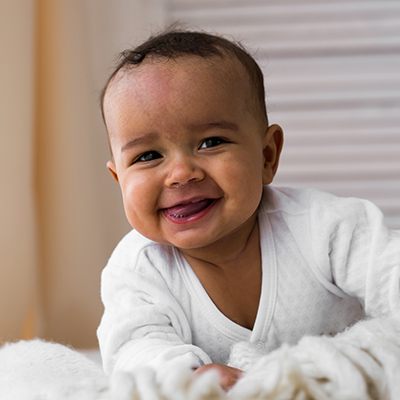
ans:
(188, 210)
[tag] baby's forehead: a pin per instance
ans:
(157, 72)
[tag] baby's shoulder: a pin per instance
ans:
(292, 200)
(135, 250)
(317, 206)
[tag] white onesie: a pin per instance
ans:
(326, 262)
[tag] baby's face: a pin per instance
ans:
(189, 155)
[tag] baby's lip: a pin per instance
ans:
(184, 202)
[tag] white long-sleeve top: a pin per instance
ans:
(326, 263)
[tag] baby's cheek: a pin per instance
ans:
(244, 180)
(141, 209)
(131, 199)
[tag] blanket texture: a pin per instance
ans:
(361, 363)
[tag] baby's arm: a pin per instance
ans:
(143, 324)
(359, 253)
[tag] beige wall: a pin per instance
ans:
(17, 217)
(60, 212)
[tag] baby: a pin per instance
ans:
(221, 267)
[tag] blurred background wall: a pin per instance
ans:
(332, 82)
(60, 212)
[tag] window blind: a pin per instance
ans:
(332, 77)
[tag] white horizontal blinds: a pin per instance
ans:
(332, 74)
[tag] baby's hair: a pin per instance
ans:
(172, 44)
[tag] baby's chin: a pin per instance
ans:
(185, 245)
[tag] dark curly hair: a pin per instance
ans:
(177, 43)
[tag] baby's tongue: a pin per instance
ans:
(186, 210)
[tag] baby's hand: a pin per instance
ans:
(227, 375)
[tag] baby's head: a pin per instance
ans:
(189, 135)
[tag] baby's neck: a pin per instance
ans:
(241, 247)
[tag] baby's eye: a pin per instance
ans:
(211, 142)
(148, 156)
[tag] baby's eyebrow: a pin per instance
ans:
(143, 139)
(216, 124)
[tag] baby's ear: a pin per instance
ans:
(113, 171)
(272, 147)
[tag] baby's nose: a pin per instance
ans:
(182, 172)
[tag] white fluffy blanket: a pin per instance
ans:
(361, 364)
